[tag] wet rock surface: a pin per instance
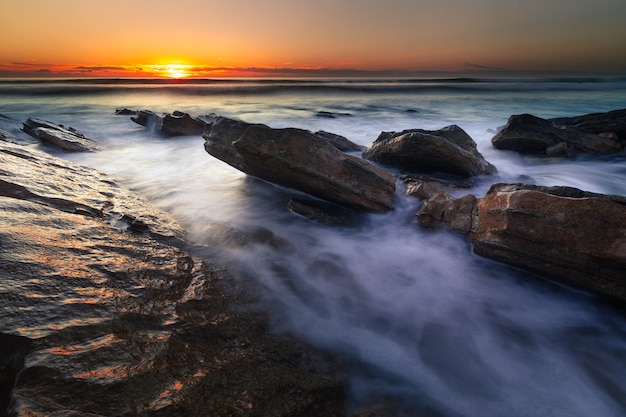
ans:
(301, 160)
(574, 236)
(449, 150)
(103, 318)
(600, 133)
(52, 134)
(169, 124)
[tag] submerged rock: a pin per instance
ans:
(301, 160)
(53, 134)
(601, 133)
(448, 150)
(576, 237)
(102, 318)
(324, 213)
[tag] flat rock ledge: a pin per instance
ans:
(597, 133)
(56, 135)
(573, 236)
(104, 313)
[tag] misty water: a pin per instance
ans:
(415, 314)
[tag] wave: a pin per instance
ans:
(249, 86)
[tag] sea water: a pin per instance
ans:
(416, 316)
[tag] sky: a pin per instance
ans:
(210, 38)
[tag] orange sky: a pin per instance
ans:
(252, 37)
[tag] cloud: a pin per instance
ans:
(99, 68)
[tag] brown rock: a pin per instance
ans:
(57, 135)
(297, 159)
(576, 237)
(181, 124)
(612, 123)
(526, 133)
(170, 124)
(301, 160)
(449, 150)
(117, 320)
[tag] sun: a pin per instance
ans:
(176, 71)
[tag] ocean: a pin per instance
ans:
(415, 315)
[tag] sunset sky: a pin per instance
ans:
(211, 38)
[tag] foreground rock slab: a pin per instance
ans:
(301, 160)
(598, 133)
(576, 237)
(104, 314)
(56, 135)
(448, 150)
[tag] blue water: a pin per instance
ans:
(417, 317)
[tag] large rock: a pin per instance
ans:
(57, 135)
(594, 134)
(298, 159)
(102, 318)
(448, 150)
(576, 237)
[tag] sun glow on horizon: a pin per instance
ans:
(177, 70)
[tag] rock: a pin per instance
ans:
(610, 124)
(449, 150)
(526, 133)
(219, 138)
(424, 187)
(457, 213)
(57, 135)
(171, 124)
(125, 112)
(297, 159)
(106, 320)
(340, 142)
(331, 115)
(146, 118)
(300, 160)
(575, 237)
(181, 124)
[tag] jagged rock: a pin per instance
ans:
(116, 321)
(424, 187)
(125, 112)
(526, 133)
(298, 159)
(340, 142)
(576, 237)
(448, 150)
(67, 139)
(181, 124)
(219, 138)
(610, 124)
(171, 124)
(146, 118)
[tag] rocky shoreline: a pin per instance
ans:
(140, 298)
